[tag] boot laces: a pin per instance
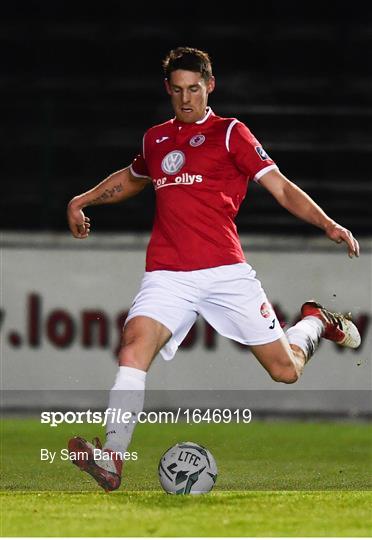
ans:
(337, 318)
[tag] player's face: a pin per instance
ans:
(189, 94)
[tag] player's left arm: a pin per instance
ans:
(296, 201)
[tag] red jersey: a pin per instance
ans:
(200, 173)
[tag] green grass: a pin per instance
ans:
(275, 479)
(218, 514)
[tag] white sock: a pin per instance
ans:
(306, 334)
(127, 395)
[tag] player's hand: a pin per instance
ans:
(78, 222)
(339, 234)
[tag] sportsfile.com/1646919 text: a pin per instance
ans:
(190, 416)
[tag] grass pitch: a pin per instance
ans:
(275, 479)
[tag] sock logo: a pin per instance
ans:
(272, 325)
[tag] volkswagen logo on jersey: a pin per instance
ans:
(197, 140)
(173, 162)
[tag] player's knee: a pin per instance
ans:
(287, 375)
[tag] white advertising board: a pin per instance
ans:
(64, 303)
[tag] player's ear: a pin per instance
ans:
(211, 84)
(167, 86)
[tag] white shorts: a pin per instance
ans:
(229, 298)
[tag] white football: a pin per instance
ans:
(187, 468)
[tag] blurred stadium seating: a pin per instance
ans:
(81, 85)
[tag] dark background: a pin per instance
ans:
(81, 82)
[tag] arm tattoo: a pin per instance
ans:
(108, 194)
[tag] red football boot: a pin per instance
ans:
(106, 469)
(337, 327)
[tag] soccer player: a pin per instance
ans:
(200, 166)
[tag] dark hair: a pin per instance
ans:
(189, 59)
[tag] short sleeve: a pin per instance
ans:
(138, 167)
(247, 153)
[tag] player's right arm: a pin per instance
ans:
(117, 187)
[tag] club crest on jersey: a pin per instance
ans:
(197, 140)
(261, 152)
(173, 162)
(265, 310)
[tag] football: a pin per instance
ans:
(187, 468)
